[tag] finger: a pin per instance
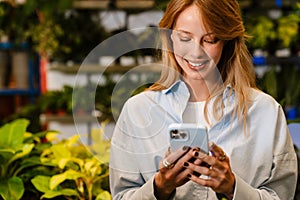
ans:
(168, 152)
(174, 156)
(217, 151)
(206, 182)
(211, 161)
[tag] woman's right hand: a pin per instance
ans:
(171, 172)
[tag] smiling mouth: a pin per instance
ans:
(197, 64)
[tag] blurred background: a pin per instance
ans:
(43, 45)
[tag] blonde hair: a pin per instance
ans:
(224, 19)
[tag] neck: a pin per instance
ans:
(199, 91)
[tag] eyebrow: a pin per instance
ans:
(189, 33)
(183, 31)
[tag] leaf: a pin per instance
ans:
(64, 192)
(105, 195)
(62, 163)
(67, 175)
(27, 148)
(7, 150)
(60, 151)
(37, 136)
(12, 188)
(41, 183)
(12, 134)
(52, 136)
(73, 140)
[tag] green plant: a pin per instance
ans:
(283, 85)
(35, 166)
(30, 112)
(81, 175)
(20, 19)
(292, 88)
(161, 4)
(287, 30)
(17, 155)
(77, 40)
(83, 98)
(43, 30)
(56, 100)
(12, 148)
(44, 37)
(5, 10)
(261, 30)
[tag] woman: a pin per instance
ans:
(209, 80)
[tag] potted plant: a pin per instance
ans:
(4, 57)
(18, 157)
(80, 175)
(287, 33)
(77, 44)
(43, 30)
(20, 18)
(291, 90)
(261, 30)
(38, 165)
(5, 10)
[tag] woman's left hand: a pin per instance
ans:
(217, 169)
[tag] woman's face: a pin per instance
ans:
(196, 49)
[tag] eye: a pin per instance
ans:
(210, 39)
(183, 37)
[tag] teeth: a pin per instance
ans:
(196, 64)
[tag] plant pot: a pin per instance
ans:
(291, 112)
(20, 69)
(4, 57)
(283, 53)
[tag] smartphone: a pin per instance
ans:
(185, 134)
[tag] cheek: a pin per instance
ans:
(180, 50)
(215, 53)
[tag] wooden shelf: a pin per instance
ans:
(135, 4)
(94, 68)
(120, 4)
(46, 118)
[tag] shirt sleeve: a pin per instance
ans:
(282, 181)
(126, 181)
(127, 186)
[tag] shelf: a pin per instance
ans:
(94, 68)
(67, 118)
(283, 61)
(18, 92)
(120, 4)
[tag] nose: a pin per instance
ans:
(197, 51)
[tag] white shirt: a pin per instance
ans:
(263, 160)
(194, 113)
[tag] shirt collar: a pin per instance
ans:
(174, 87)
(180, 84)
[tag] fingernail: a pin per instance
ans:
(196, 149)
(196, 153)
(186, 164)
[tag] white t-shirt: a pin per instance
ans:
(194, 113)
